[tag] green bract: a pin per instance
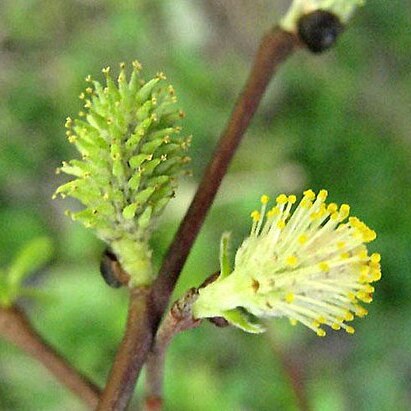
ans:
(343, 9)
(131, 155)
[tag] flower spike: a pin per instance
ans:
(131, 155)
(310, 265)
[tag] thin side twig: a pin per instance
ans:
(16, 328)
(275, 47)
(178, 319)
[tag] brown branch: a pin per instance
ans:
(178, 319)
(129, 361)
(275, 47)
(16, 328)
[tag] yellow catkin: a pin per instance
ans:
(318, 268)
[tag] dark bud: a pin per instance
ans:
(220, 322)
(319, 30)
(111, 270)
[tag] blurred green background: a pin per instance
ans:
(340, 121)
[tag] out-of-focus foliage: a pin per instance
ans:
(29, 259)
(341, 120)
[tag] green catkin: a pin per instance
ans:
(132, 154)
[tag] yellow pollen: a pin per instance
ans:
(364, 297)
(336, 326)
(365, 270)
(281, 199)
(344, 211)
(344, 256)
(306, 203)
(292, 260)
(289, 298)
(315, 216)
(281, 224)
(341, 244)
(360, 311)
(375, 274)
(354, 221)
(348, 316)
(363, 255)
(292, 199)
(322, 195)
(255, 215)
(375, 258)
(369, 235)
(332, 208)
(324, 266)
(321, 319)
(375, 265)
(335, 216)
(309, 194)
(315, 324)
(321, 332)
(303, 238)
(368, 288)
(264, 199)
(350, 330)
(293, 322)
